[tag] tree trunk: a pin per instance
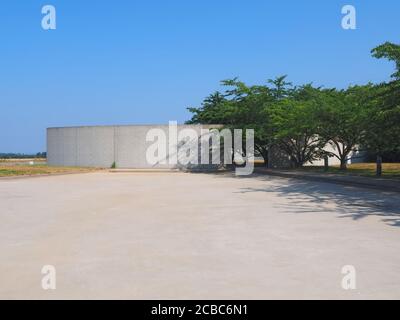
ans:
(379, 165)
(326, 163)
(297, 164)
(343, 164)
(265, 157)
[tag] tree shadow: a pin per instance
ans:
(304, 196)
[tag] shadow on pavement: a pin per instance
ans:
(309, 196)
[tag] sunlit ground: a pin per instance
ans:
(31, 167)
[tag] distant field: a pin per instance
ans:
(7, 170)
(22, 161)
(390, 170)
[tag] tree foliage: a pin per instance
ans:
(383, 130)
(302, 120)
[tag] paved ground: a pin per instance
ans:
(376, 183)
(176, 236)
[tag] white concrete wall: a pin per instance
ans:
(334, 161)
(279, 159)
(101, 146)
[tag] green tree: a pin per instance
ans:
(342, 117)
(391, 52)
(295, 124)
(280, 87)
(210, 112)
(383, 130)
(239, 107)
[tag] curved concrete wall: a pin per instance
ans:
(101, 146)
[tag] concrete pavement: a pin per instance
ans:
(376, 183)
(196, 236)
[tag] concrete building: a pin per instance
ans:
(102, 146)
(279, 160)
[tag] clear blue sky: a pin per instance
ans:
(131, 62)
